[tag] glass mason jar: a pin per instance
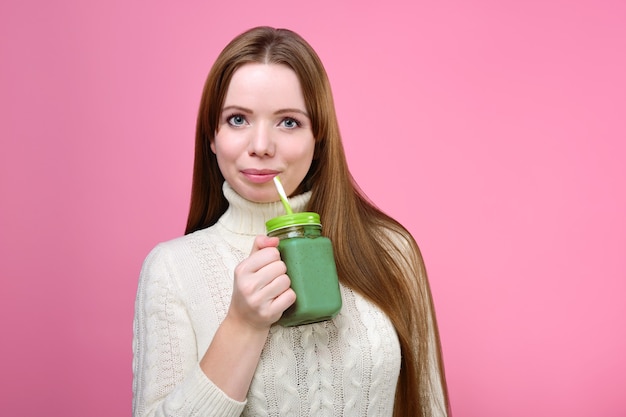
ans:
(310, 266)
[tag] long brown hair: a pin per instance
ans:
(386, 266)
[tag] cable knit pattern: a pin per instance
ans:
(348, 366)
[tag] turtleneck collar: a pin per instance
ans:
(244, 217)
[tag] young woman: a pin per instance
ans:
(206, 342)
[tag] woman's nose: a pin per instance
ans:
(261, 142)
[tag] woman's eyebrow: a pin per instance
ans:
(277, 112)
(290, 110)
(238, 108)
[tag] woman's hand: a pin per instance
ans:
(261, 290)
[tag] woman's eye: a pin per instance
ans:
(290, 123)
(236, 120)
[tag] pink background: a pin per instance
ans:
(494, 130)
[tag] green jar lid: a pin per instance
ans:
(295, 219)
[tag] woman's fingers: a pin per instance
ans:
(261, 242)
(262, 289)
(260, 268)
(282, 302)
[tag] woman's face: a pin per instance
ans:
(264, 131)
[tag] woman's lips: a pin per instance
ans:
(259, 175)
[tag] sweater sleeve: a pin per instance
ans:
(167, 379)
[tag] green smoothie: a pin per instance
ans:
(313, 278)
(311, 267)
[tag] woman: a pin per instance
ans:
(206, 342)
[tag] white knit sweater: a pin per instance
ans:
(348, 366)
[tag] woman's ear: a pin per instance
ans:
(212, 144)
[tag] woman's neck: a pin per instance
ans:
(248, 218)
